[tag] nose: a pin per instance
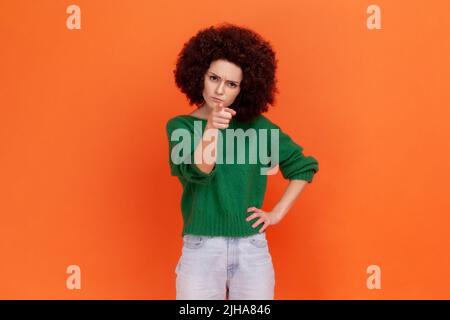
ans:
(220, 88)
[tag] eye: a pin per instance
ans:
(212, 77)
(233, 85)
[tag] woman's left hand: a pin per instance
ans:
(269, 218)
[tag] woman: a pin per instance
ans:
(228, 72)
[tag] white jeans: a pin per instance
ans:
(211, 267)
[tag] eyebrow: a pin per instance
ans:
(221, 78)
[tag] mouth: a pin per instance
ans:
(217, 99)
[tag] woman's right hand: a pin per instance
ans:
(220, 117)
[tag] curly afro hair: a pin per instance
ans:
(240, 46)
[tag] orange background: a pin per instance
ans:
(84, 174)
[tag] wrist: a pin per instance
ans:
(278, 214)
(209, 124)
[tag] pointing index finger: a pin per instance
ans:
(233, 112)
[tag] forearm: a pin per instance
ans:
(210, 136)
(291, 193)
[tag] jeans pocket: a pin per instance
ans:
(194, 242)
(258, 241)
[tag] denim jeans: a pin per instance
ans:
(219, 268)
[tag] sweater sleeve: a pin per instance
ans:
(181, 153)
(293, 164)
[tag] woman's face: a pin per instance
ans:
(222, 81)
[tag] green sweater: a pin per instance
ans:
(215, 203)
